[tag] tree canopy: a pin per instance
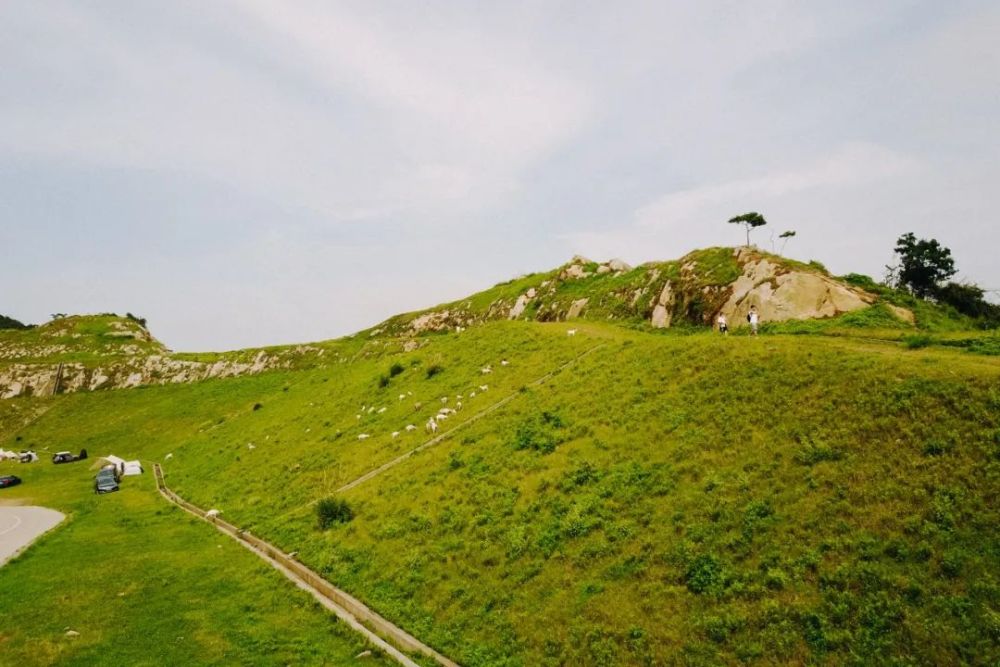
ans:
(923, 264)
(749, 220)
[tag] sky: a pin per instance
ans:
(249, 172)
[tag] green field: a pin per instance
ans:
(668, 497)
(144, 583)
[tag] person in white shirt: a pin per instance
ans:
(723, 325)
(754, 320)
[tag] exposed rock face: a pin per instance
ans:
(781, 294)
(519, 306)
(664, 308)
(576, 308)
(40, 379)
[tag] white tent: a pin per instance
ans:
(28, 457)
(132, 468)
(111, 458)
(13, 456)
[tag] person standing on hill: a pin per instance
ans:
(754, 319)
(723, 325)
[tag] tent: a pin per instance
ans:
(132, 468)
(114, 460)
(28, 457)
(13, 456)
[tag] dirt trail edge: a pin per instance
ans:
(474, 418)
(347, 608)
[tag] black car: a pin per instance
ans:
(69, 457)
(9, 480)
(105, 482)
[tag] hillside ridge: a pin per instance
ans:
(91, 352)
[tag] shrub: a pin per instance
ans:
(434, 370)
(704, 575)
(383, 381)
(333, 510)
(917, 341)
(395, 369)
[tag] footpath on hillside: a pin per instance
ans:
(378, 630)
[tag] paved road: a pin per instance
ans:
(20, 526)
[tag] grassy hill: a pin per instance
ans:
(643, 497)
(78, 338)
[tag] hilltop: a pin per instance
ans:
(690, 291)
(107, 351)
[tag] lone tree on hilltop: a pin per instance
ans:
(784, 236)
(750, 220)
(923, 265)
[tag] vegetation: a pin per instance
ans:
(140, 580)
(923, 265)
(694, 498)
(333, 510)
(11, 323)
(750, 221)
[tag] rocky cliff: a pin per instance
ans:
(693, 290)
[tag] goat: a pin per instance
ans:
(363, 436)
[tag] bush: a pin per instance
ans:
(383, 381)
(395, 369)
(917, 341)
(434, 370)
(333, 510)
(703, 575)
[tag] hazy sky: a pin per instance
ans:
(254, 172)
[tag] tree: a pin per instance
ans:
(923, 265)
(784, 236)
(750, 220)
(11, 323)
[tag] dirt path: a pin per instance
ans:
(22, 525)
(377, 630)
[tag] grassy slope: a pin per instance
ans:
(786, 498)
(146, 584)
(79, 338)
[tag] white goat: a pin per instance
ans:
(431, 426)
(395, 434)
(570, 332)
(410, 427)
(363, 436)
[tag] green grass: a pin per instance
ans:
(79, 338)
(669, 498)
(146, 584)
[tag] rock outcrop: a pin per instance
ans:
(783, 293)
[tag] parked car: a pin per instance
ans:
(67, 457)
(105, 481)
(9, 480)
(113, 470)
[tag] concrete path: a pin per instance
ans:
(22, 525)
